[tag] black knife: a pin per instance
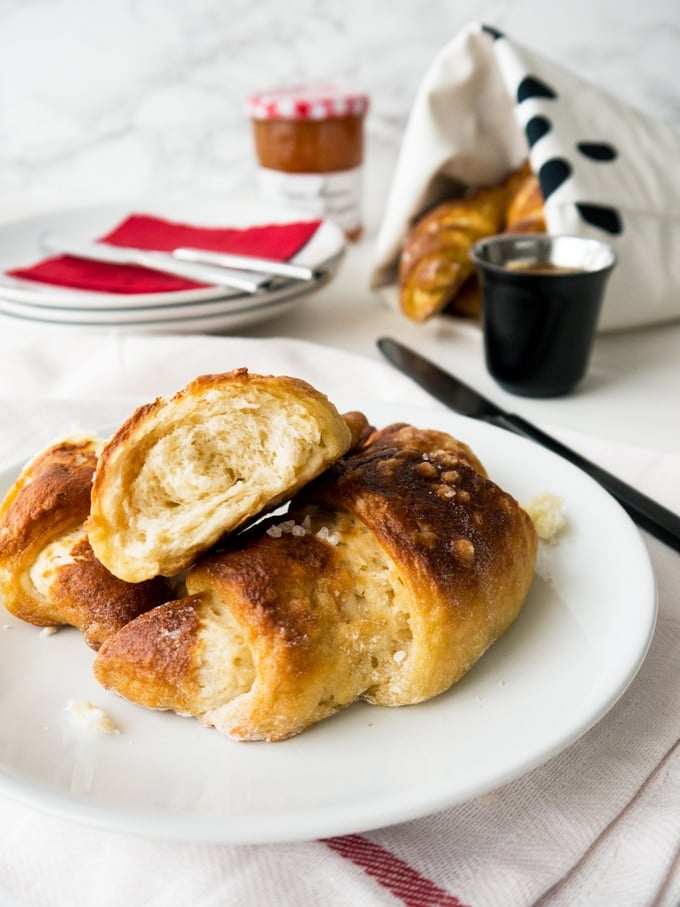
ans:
(660, 522)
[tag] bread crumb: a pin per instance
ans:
(547, 513)
(48, 631)
(90, 718)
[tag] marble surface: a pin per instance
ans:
(124, 98)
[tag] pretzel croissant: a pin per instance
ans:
(388, 578)
(48, 573)
(435, 269)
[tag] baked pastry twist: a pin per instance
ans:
(48, 572)
(388, 578)
(435, 269)
(182, 471)
(526, 212)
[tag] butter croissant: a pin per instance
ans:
(526, 211)
(435, 269)
(48, 573)
(184, 470)
(388, 578)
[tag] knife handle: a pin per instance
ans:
(660, 522)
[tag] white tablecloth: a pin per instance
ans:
(598, 824)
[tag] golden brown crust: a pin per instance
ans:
(402, 435)
(388, 578)
(359, 427)
(526, 213)
(465, 548)
(162, 645)
(51, 496)
(183, 471)
(435, 262)
(85, 595)
(48, 573)
(435, 270)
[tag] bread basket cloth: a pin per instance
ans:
(606, 170)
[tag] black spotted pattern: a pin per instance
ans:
(552, 174)
(536, 128)
(598, 151)
(494, 32)
(533, 87)
(602, 216)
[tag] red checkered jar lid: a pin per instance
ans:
(306, 103)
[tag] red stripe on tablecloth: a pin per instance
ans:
(394, 874)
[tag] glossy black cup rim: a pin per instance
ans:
(585, 255)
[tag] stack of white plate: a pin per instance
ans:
(205, 310)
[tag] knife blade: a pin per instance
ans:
(647, 513)
(156, 261)
(246, 262)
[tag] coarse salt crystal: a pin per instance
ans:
(325, 535)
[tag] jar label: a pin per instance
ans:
(330, 196)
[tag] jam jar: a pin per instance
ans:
(309, 144)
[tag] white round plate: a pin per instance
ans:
(224, 313)
(574, 649)
(20, 247)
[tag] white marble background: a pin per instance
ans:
(121, 99)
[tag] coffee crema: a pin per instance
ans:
(540, 267)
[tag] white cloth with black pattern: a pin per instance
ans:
(606, 170)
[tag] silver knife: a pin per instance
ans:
(650, 515)
(156, 261)
(246, 262)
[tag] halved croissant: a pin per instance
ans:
(389, 577)
(182, 471)
(48, 572)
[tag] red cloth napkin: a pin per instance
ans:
(143, 231)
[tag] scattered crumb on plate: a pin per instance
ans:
(547, 512)
(48, 631)
(90, 718)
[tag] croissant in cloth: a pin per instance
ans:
(436, 272)
(389, 576)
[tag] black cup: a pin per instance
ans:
(541, 300)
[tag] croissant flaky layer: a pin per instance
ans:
(182, 471)
(388, 578)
